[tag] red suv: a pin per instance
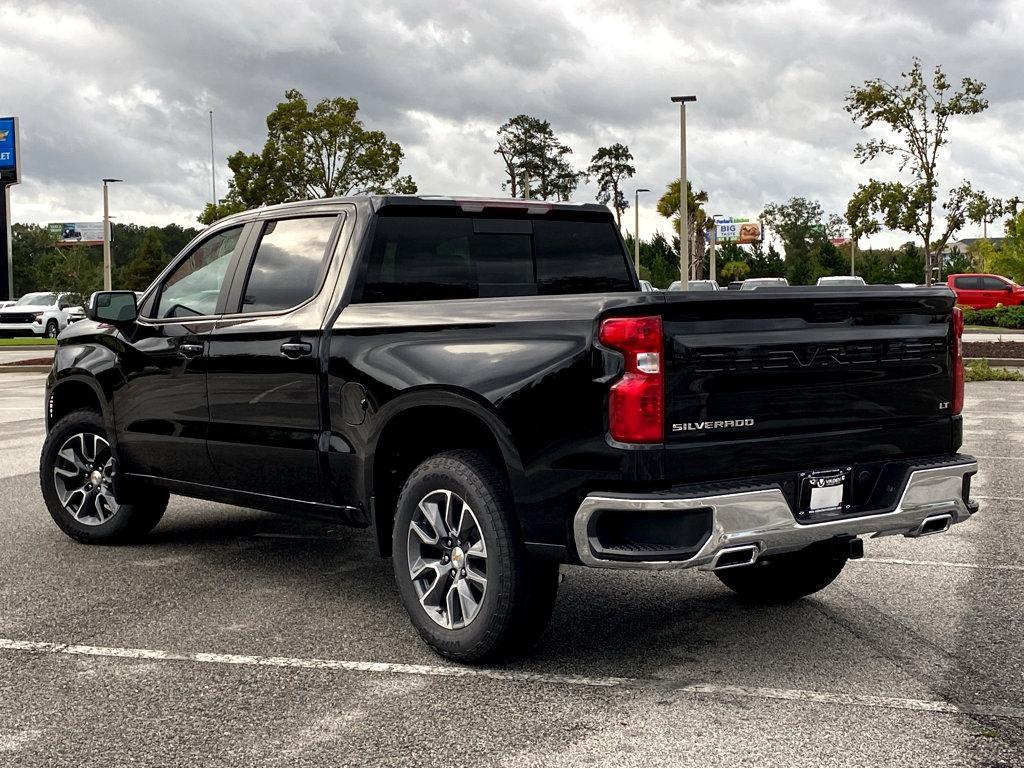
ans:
(982, 292)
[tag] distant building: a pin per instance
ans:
(964, 244)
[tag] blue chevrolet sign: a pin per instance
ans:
(9, 150)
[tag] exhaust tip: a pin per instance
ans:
(933, 524)
(731, 557)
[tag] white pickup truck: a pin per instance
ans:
(40, 313)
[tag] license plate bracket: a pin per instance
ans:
(825, 491)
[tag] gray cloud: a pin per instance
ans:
(123, 89)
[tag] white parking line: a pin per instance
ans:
(999, 499)
(944, 564)
(451, 671)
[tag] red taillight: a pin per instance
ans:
(636, 403)
(957, 404)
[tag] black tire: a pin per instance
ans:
(125, 522)
(520, 591)
(784, 578)
(52, 329)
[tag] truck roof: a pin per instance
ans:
(467, 203)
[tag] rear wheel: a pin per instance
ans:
(79, 480)
(471, 590)
(785, 578)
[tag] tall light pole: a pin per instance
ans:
(636, 230)
(684, 214)
(213, 173)
(107, 283)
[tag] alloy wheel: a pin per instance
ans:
(83, 476)
(447, 559)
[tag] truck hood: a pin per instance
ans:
(25, 308)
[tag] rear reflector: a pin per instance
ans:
(957, 354)
(636, 403)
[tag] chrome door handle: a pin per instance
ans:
(190, 350)
(296, 349)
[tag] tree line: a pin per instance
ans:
(137, 256)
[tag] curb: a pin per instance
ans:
(1001, 362)
(28, 347)
(24, 369)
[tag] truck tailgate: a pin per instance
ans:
(771, 380)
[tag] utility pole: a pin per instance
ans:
(213, 172)
(107, 282)
(636, 230)
(684, 214)
(714, 243)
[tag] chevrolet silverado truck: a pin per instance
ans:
(483, 384)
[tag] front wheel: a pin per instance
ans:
(52, 329)
(784, 578)
(464, 576)
(78, 477)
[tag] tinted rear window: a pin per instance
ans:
(422, 258)
(967, 284)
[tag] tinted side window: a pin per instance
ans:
(193, 288)
(432, 258)
(574, 258)
(993, 284)
(285, 271)
(967, 284)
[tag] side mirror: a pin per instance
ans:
(112, 307)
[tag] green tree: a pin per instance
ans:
(1009, 259)
(961, 261)
(698, 221)
(734, 270)
(610, 165)
(659, 262)
(30, 245)
(536, 162)
(809, 254)
(150, 258)
(916, 111)
(76, 270)
(321, 152)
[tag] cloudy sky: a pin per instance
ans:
(123, 89)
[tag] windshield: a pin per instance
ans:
(39, 300)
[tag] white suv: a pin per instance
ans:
(38, 314)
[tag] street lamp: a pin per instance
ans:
(636, 232)
(107, 282)
(684, 214)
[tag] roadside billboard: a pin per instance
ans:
(9, 173)
(77, 233)
(733, 229)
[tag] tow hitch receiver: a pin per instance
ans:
(848, 547)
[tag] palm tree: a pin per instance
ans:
(697, 218)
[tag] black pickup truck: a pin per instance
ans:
(483, 383)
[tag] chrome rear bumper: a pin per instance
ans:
(748, 525)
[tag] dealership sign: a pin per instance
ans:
(77, 233)
(9, 151)
(731, 229)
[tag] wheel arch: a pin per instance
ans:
(70, 393)
(423, 423)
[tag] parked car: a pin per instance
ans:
(841, 280)
(41, 313)
(694, 285)
(371, 361)
(753, 283)
(982, 292)
(646, 285)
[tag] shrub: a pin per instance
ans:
(980, 371)
(1000, 317)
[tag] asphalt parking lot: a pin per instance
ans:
(237, 637)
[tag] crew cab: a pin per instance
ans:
(42, 313)
(983, 292)
(483, 384)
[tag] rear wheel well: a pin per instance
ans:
(72, 396)
(411, 437)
